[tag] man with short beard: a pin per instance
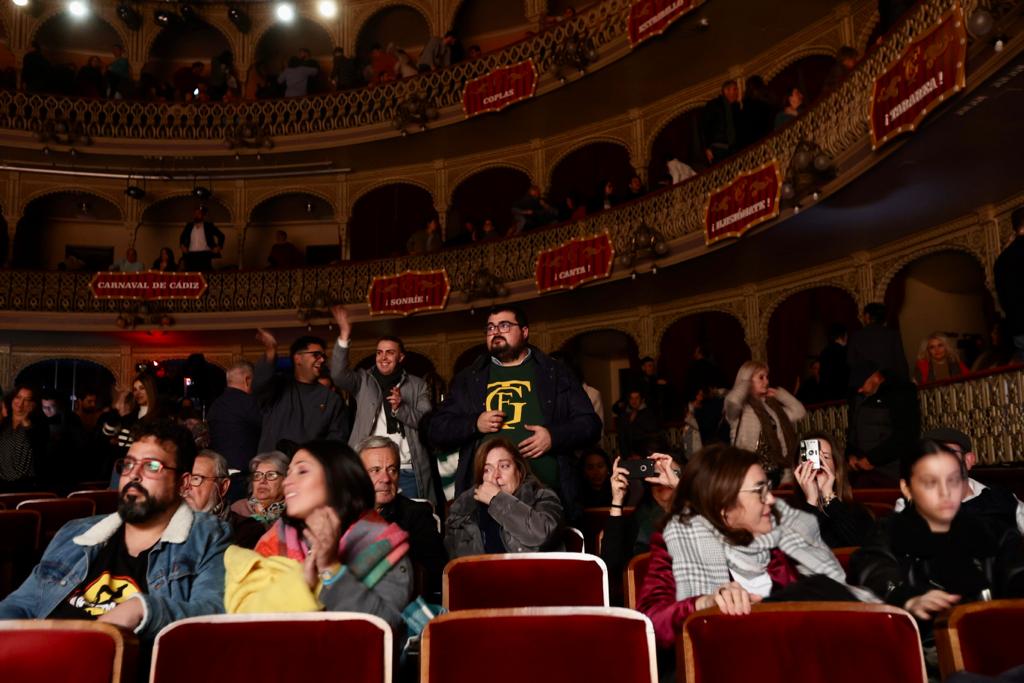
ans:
(150, 563)
(517, 392)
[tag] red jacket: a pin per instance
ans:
(657, 597)
(923, 370)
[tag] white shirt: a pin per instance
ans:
(380, 428)
(198, 239)
(976, 488)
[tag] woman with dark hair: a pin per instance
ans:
(165, 261)
(596, 468)
(139, 404)
(509, 510)
(729, 543)
(329, 550)
(823, 489)
(23, 437)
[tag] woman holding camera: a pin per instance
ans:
(824, 490)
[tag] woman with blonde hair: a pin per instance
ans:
(937, 360)
(762, 419)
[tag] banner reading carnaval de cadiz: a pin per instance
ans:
(148, 285)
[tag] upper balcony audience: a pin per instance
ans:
(938, 359)
(130, 263)
(284, 254)
(165, 261)
(200, 242)
(721, 124)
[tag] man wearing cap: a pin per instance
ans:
(996, 506)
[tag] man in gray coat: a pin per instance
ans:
(389, 402)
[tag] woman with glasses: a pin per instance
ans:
(266, 489)
(729, 543)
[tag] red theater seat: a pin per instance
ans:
(11, 500)
(982, 637)
(572, 539)
(525, 580)
(636, 570)
(81, 651)
(106, 500)
(56, 512)
(19, 547)
(585, 644)
(356, 648)
(885, 496)
(844, 555)
(879, 510)
(838, 642)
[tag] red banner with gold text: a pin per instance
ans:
(148, 285)
(926, 72)
(574, 262)
(409, 292)
(750, 199)
(649, 18)
(500, 88)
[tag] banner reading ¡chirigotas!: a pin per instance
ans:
(925, 73)
(500, 88)
(751, 198)
(409, 292)
(574, 262)
(148, 285)
(649, 18)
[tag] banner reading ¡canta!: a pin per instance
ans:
(574, 262)
(500, 88)
(926, 72)
(409, 292)
(148, 285)
(750, 199)
(649, 18)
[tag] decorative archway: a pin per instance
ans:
(487, 193)
(183, 43)
(719, 334)
(489, 24)
(407, 26)
(607, 359)
(74, 40)
(384, 218)
(54, 222)
(678, 138)
(582, 172)
(161, 223)
(69, 376)
(281, 41)
(308, 221)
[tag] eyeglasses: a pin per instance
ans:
(269, 476)
(503, 327)
(763, 490)
(197, 480)
(150, 468)
(316, 354)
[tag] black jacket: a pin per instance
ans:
(842, 524)
(720, 124)
(1009, 280)
(568, 415)
(885, 425)
(426, 547)
(235, 421)
(835, 372)
(875, 347)
(214, 237)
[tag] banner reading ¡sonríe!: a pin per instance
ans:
(574, 262)
(750, 199)
(500, 88)
(148, 285)
(926, 72)
(409, 292)
(649, 18)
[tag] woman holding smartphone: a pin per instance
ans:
(824, 490)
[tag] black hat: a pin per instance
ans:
(950, 435)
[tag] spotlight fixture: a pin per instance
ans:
(188, 12)
(328, 8)
(201, 193)
(240, 19)
(129, 16)
(78, 9)
(163, 18)
(285, 12)
(20, 3)
(135, 192)
(83, 208)
(309, 207)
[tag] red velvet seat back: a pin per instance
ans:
(79, 651)
(884, 496)
(879, 510)
(11, 500)
(525, 580)
(983, 638)
(844, 555)
(636, 570)
(106, 500)
(538, 644)
(355, 648)
(19, 543)
(56, 512)
(785, 642)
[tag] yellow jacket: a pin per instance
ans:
(254, 583)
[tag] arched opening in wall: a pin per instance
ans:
(68, 43)
(808, 73)
(467, 357)
(679, 139)
(8, 62)
(400, 25)
(163, 221)
(488, 194)
(385, 218)
(942, 292)
(798, 333)
(177, 47)
(490, 24)
(283, 41)
(70, 379)
(191, 382)
(720, 337)
(70, 231)
(310, 233)
(581, 174)
(607, 360)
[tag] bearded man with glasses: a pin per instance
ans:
(152, 562)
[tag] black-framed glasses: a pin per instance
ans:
(503, 327)
(315, 354)
(151, 467)
(197, 480)
(763, 490)
(269, 476)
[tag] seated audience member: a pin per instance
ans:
(295, 77)
(825, 492)
(597, 485)
(89, 81)
(207, 492)
(381, 458)
(165, 261)
(128, 568)
(284, 254)
(486, 232)
(437, 53)
(130, 263)
(793, 108)
(531, 212)
(998, 352)
(762, 419)
(509, 510)
(606, 198)
(474, 52)
(729, 543)
(937, 359)
(884, 424)
(330, 550)
(23, 437)
(571, 209)
(996, 506)
(404, 66)
(426, 240)
(635, 189)
(187, 80)
(935, 554)
(265, 502)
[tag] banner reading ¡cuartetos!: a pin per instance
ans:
(148, 285)
(500, 88)
(750, 199)
(574, 262)
(409, 292)
(649, 18)
(926, 72)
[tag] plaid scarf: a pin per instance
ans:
(703, 560)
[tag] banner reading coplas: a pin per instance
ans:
(500, 88)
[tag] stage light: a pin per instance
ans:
(20, 3)
(328, 9)
(240, 19)
(163, 18)
(78, 8)
(135, 192)
(129, 16)
(201, 193)
(285, 12)
(188, 12)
